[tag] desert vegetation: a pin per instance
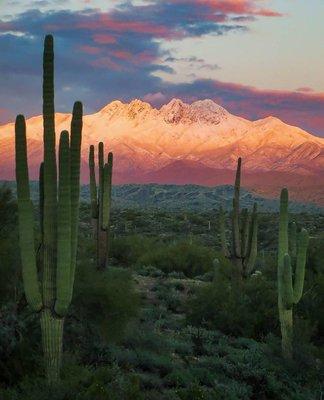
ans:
(149, 303)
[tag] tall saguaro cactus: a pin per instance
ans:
(291, 253)
(101, 202)
(59, 208)
(244, 246)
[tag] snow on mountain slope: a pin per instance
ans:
(146, 140)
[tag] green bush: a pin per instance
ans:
(190, 258)
(81, 383)
(10, 285)
(127, 250)
(106, 300)
(186, 257)
(313, 299)
(19, 344)
(246, 308)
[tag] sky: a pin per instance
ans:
(254, 57)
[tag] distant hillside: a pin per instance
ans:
(185, 197)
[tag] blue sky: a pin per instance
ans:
(255, 57)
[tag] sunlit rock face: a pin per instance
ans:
(195, 140)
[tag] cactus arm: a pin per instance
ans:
(283, 240)
(303, 240)
(287, 292)
(253, 243)
(75, 159)
(236, 211)
(285, 288)
(223, 232)
(26, 221)
(283, 226)
(93, 184)
(41, 199)
(110, 169)
(245, 232)
(63, 228)
(48, 93)
(105, 197)
(293, 242)
(101, 180)
(50, 176)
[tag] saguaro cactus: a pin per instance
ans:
(59, 208)
(244, 232)
(101, 202)
(290, 252)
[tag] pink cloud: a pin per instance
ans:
(145, 56)
(122, 54)
(238, 7)
(106, 62)
(107, 22)
(103, 38)
(90, 49)
(300, 108)
(305, 89)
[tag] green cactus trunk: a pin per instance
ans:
(101, 203)
(287, 332)
(289, 290)
(58, 220)
(93, 193)
(108, 179)
(52, 342)
(236, 213)
(222, 227)
(244, 246)
(101, 235)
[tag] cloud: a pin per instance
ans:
(193, 62)
(237, 7)
(303, 109)
(101, 56)
(157, 98)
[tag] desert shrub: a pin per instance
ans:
(81, 383)
(187, 257)
(206, 277)
(169, 297)
(105, 300)
(190, 258)
(176, 275)
(313, 298)
(149, 271)
(20, 351)
(8, 209)
(127, 250)
(246, 308)
(10, 287)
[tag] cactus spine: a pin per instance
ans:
(290, 252)
(101, 202)
(244, 232)
(59, 207)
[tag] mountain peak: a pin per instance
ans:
(197, 140)
(175, 103)
(205, 111)
(209, 105)
(175, 111)
(111, 107)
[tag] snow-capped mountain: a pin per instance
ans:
(185, 143)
